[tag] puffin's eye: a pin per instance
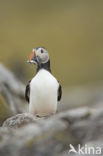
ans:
(42, 51)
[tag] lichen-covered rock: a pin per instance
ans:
(51, 136)
(20, 120)
(43, 137)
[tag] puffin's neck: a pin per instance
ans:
(45, 66)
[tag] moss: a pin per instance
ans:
(4, 109)
(30, 142)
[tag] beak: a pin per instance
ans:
(32, 58)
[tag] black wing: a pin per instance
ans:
(27, 92)
(59, 92)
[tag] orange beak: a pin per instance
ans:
(32, 58)
(31, 55)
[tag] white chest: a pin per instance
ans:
(43, 94)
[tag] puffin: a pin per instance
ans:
(43, 91)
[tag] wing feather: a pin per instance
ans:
(59, 92)
(27, 92)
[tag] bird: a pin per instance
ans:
(43, 91)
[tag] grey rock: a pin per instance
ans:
(12, 90)
(51, 136)
(43, 137)
(85, 95)
(20, 120)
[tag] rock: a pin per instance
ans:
(51, 136)
(84, 95)
(20, 120)
(12, 90)
(24, 118)
(43, 137)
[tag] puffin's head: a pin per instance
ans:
(39, 56)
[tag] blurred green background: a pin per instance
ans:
(71, 30)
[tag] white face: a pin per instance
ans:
(42, 54)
